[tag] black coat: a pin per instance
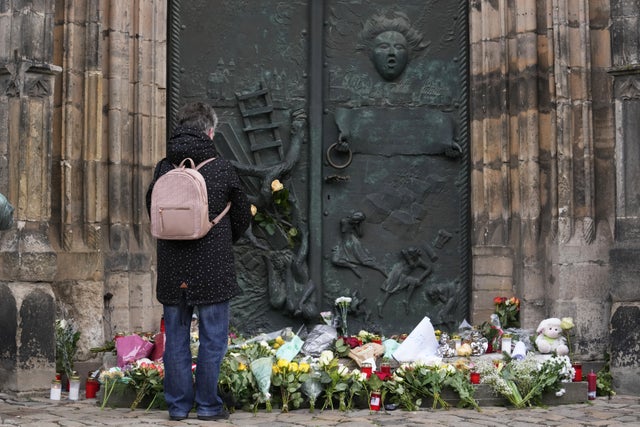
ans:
(206, 265)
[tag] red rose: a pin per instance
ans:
(352, 342)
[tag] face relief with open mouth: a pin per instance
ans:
(390, 55)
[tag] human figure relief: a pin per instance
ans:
(406, 274)
(350, 252)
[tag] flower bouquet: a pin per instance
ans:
(312, 387)
(343, 304)
(67, 336)
(146, 377)
(289, 376)
(235, 382)
(508, 311)
(109, 379)
(261, 369)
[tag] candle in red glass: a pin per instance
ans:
(374, 403)
(385, 368)
(91, 388)
(475, 378)
(592, 379)
(366, 369)
(578, 368)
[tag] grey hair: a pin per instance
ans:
(197, 115)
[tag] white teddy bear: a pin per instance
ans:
(550, 338)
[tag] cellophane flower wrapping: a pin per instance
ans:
(312, 388)
(131, 348)
(261, 369)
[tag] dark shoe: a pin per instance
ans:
(178, 417)
(224, 415)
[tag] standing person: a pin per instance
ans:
(199, 273)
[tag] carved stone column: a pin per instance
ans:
(27, 308)
(625, 255)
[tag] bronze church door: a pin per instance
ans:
(347, 121)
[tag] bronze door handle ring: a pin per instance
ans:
(332, 163)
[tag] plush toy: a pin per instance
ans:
(550, 338)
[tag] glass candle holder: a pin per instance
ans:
(475, 378)
(506, 344)
(367, 369)
(577, 366)
(385, 368)
(91, 388)
(56, 390)
(457, 342)
(374, 402)
(74, 387)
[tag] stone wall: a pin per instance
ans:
(542, 171)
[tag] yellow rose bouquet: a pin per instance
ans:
(289, 377)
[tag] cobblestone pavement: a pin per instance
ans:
(40, 411)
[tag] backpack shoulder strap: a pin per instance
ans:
(184, 164)
(203, 163)
(221, 214)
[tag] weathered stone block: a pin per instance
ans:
(491, 283)
(625, 340)
(28, 357)
(625, 270)
(493, 265)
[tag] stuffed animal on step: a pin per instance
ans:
(550, 338)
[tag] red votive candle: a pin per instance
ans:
(366, 369)
(578, 368)
(91, 388)
(385, 368)
(475, 378)
(374, 403)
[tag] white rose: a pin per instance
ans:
(325, 357)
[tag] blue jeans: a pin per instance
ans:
(180, 392)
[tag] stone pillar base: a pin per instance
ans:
(27, 316)
(625, 319)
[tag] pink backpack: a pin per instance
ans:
(180, 206)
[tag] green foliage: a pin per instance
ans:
(604, 382)
(277, 215)
(67, 336)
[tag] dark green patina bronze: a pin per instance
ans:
(359, 109)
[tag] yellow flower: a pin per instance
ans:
(279, 340)
(276, 185)
(276, 345)
(304, 367)
(566, 323)
(242, 367)
(283, 363)
(293, 367)
(275, 369)
(254, 210)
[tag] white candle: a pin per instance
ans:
(506, 344)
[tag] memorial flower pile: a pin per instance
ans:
(264, 372)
